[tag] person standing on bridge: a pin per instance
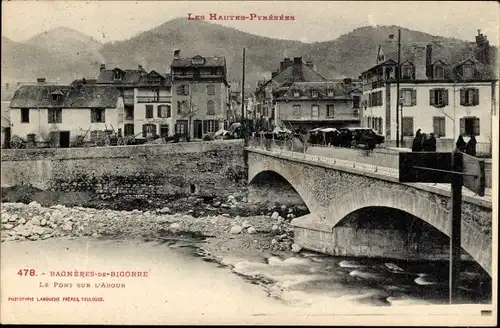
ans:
(461, 143)
(417, 141)
(470, 148)
(432, 143)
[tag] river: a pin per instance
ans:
(181, 288)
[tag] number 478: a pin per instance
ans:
(26, 272)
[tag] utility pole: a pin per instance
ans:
(398, 73)
(243, 123)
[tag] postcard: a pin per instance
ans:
(249, 162)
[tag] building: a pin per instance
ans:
(58, 113)
(310, 105)
(147, 100)
(200, 94)
(7, 94)
(446, 90)
(290, 71)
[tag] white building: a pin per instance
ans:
(445, 98)
(59, 113)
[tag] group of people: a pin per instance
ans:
(422, 142)
(344, 138)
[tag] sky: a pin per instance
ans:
(314, 20)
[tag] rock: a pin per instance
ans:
(224, 206)
(291, 216)
(46, 236)
(8, 226)
(165, 210)
(5, 218)
(34, 204)
(274, 242)
(226, 215)
(12, 218)
(95, 235)
(281, 237)
(274, 227)
(68, 226)
(38, 230)
(190, 211)
(290, 210)
(22, 221)
(216, 204)
(245, 223)
(174, 226)
(280, 219)
(283, 207)
(236, 229)
(34, 237)
(230, 198)
(35, 221)
(244, 200)
(43, 222)
(275, 215)
(251, 230)
(296, 248)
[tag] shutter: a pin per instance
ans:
(445, 97)
(186, 89)
(144, 131)
(413, 97)
(103, 115)
(370, 100)
(413, 72)
(158, 111)
(462, 125)
(432, 97)
(205, 126)
(442, 127)
(475, 129)
(462, 97)
(476, 97)
(59, 116)
(180, 89)
(435, 125)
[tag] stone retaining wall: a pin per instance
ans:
(200, 168)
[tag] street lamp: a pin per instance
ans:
(398, 72)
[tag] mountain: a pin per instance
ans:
(68, 54)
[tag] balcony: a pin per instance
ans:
(154, 99)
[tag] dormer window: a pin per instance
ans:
(117, 75)
(468, 71)
(314, 93)
(438, 72)
(198, 60)
(296, 93)
(56, 95)
(330, 93)
(213, 71)
(407, 71)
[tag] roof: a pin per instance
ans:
(166, 79)
(451, 54)
(340, 90)
(84, 96)
(129, 76)
(209, 62)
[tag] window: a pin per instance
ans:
(330, 93)
(56, 96)
(163, 130)
(438, 97)
(314, 111)
(409, 97)
(314, 93)
(210, 107)
(375, 98)
(117, 75)
(210, 89)
(407, 126)
(164, 111)
(128, 129)
(213, 71)
(297, 113)
(129, 113)
(355, 101)
(296, 93)
(198, 60)
(407, 72)
(149, 111)
(438, 72)
(469, 126)
(209, 126)
(468, 71)
(330, 110)
(148, 130)
(181, 127)
(196, 73)
(25, 115)
(55, 115)
(97, 115)
(439, 126)
(183, 90)
(469, 97)
(183, 72)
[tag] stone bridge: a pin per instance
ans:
(333, 192)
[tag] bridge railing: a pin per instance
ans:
(376, 160)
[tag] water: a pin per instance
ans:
(181, 288)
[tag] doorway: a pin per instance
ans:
(64, 139)
(7, 137)
(198, 129)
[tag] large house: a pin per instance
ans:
(58, 113)
(290, 71)
(147, 100)
(200, 94)
(449, 91)
(310, 105)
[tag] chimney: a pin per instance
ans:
(347, 81)
(177, 53)
(274, 74)
(103, 67)
(140, 67)
(297, 69)
(428, 61)
(40, 80)
(282, 66)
